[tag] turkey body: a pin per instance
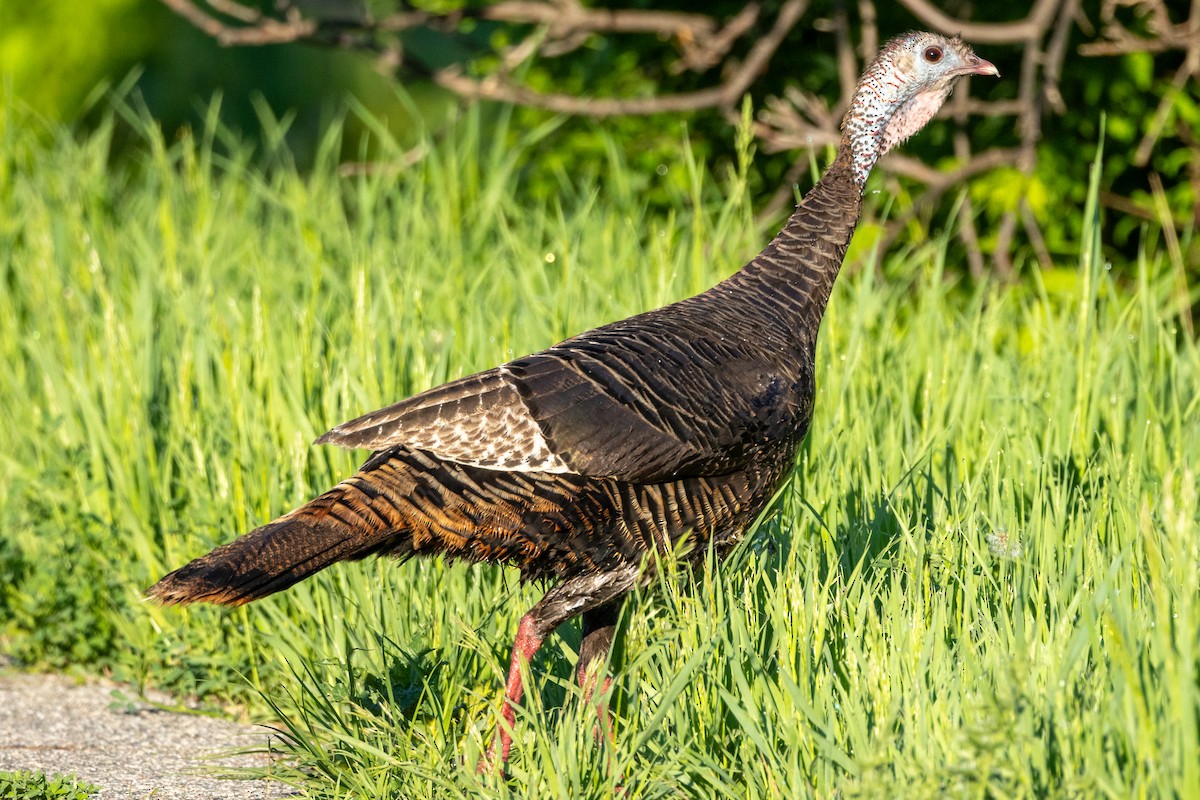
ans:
(679, 423)
(673, 427)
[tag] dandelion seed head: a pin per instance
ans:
(1003, 544)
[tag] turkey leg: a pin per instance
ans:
(599, 627)
(569, 599)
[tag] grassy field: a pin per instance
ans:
(983, 580)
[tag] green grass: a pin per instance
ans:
(39, 786)
(983, 580)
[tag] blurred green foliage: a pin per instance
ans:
(55, 53)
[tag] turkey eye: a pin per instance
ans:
(933, 55)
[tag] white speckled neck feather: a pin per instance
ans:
(900, 92)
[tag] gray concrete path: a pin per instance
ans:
(55, 724)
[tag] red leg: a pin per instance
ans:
(524, 646)
(577, 595)
(599, 627)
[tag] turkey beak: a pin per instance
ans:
(978, 66)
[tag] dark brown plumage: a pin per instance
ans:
(576, 462)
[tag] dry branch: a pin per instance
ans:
(726, 95)
(260, 30)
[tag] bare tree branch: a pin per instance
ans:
(725, 95)
(701, 55)
(1164, 34)
(563, 18)
(236, 10)
(870, 30)
(966, 216)
(1055, 53)
(938, 181)
(263, 30)
(1032, 27)
(1188, 69)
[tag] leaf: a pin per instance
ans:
(1140, 67)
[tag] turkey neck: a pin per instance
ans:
(789, 282)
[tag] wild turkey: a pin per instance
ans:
(576, 462)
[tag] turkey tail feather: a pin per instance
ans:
(340, 525)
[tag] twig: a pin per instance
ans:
(265, 30)
(700, 55)
(1034, 232)
(1166, 35)
(410, 158)
(570, 15)
(847, 64)
(784, 195)
(937, 183)
(1055, 53)
(236, 10)
(1032, 27)
(724, 95)
(966, 222)
(870, 30)
(1190, 67)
